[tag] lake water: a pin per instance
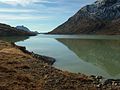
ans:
(88, 54)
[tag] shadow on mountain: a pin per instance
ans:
(105, 54)
(14, 38)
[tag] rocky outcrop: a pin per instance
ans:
(23, 28)
(7, 30)
(101, 17)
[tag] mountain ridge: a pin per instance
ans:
(101, 17)
(23, 28)
(7, 30)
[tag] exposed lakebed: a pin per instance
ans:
(88, 54)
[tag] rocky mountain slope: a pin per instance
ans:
(7, 30)
(23, 28)
(26, 29)
(101, 17)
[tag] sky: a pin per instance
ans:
(39, 15)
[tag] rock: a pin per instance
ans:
(109, 81)
(99, 85)
(99, 77)
(46, 59)
(101, 17)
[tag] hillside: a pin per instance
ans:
(7, 30)
(23, 28)
(101, 17)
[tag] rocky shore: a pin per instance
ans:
(24, 70)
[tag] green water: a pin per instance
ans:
(92, 55)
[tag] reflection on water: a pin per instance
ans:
(102, 53)
(14, 38)
(97, 55)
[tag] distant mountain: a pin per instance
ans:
(7, 30)
(101, 17)
(23, 28)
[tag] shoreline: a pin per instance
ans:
(46, 59)
(21, 69)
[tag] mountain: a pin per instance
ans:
(7, 30)
(101, 17)
(23, 28)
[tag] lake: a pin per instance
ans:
(88, 54)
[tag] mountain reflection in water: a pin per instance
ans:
(14, 38)
(102, 53)
(88, 54)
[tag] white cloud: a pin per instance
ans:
(24, 2)
(16, 2)
(8, 17)
(13, 10)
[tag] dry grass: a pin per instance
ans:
(20, 71)
(15, 69)
(24, 77)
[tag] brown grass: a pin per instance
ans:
(20, 71)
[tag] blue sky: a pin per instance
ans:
(39, 15)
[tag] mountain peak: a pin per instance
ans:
(106, 1)
(103, 9)
(93, 18)
(23, 28)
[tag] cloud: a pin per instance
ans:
(14, 10)
(51, 13)
(24, 2)
(8, 17)
(17, 2)
(45, 1)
